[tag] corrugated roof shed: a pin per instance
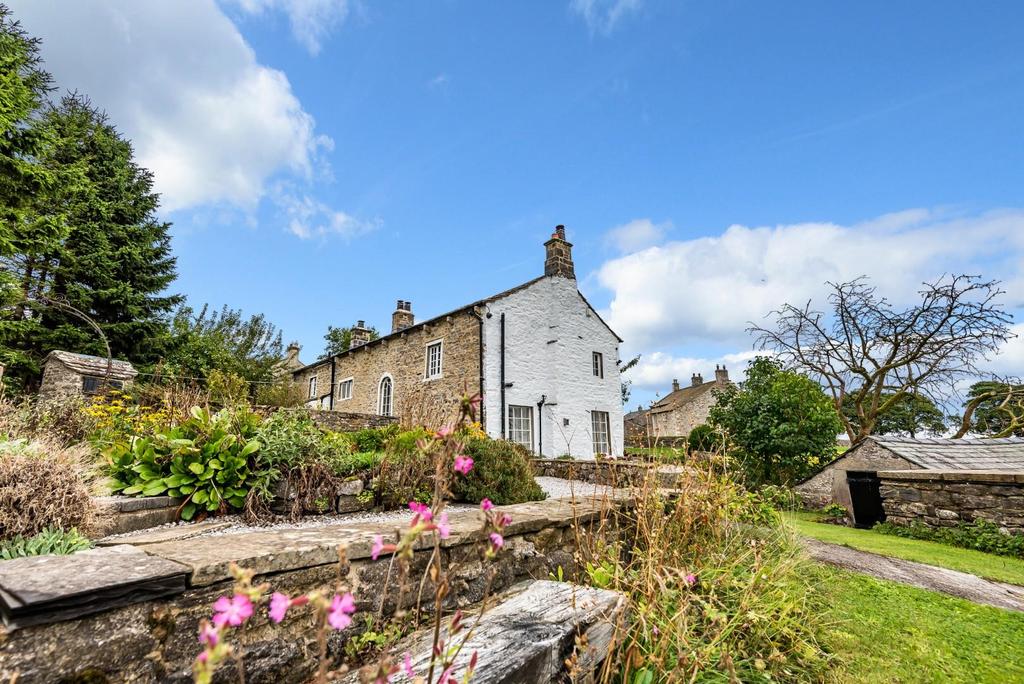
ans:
(958, 454)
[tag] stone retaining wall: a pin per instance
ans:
(945, 498)
(155, 640)
(120, 514)
(339, 421)
(610, 473)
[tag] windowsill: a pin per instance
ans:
(432, 379)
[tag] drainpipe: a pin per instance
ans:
(540, 425)
(334, 366)
(480, 317)
(501, 380)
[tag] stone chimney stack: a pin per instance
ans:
(675, 385)
(696, 380)
(291, 354)
(558, 257)
(360, 335)
(402, 318)
(721, 375)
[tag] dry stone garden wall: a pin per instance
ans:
(945, 498)
(107, 627)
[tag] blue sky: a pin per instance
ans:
(322, 158)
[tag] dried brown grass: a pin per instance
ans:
(43, 484)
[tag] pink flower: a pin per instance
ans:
(505, 520)
(447, 677)
(232, 611)
(422, 510)
(340, 612)
(486, 505)
(463, 464)
(208, 634)
(203, 657)
(407, 666)
(690, 579)
(443, 528)
(279, 605)
(497, 541)
(445, 431)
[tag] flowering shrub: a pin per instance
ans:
(117, 417)
(334, 610)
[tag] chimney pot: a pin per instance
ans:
(721, 375)
(402, 317)
(558, 255)
(675, 385)
(360, 335)
(696, 380)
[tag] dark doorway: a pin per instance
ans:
(866, 500)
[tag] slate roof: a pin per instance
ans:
(435, 319)
(958, 454)
(84, 364)
(684, 395)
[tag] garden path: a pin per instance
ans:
(961, 584)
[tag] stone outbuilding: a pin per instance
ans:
(70, 374)
(684, 408)
(852, 480)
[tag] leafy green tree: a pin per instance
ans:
(112, 260)
(908, 414)
(225, 341)
(781, 423)
(340, 340)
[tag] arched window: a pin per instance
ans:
(385, 396)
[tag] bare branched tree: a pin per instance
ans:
(870, 355)
(995, 407)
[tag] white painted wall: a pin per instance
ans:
(550, 335)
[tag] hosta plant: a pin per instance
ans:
(206, 460)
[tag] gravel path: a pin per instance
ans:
(952, 582)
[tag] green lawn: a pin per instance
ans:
(887, 632)
(1000, 568)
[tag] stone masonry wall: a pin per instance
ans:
(416, 401)
(59, 381)
(679, 422)
(945, 498)
(155, 640)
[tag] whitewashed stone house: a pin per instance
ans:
(542, 358)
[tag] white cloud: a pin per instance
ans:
(310, 20)
(636, 235)
(440, 81)
(602, 16)
(709, 288)
(1009, 362)
(212, 123)
(657, 370)
(309, 218)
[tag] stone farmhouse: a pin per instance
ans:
(684, 408)
(70, 374)
(539, 354)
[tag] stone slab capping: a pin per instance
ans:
(558, 259)
(944, 498)
(529, 634)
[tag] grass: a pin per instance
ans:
(990, 566)
(888, 632)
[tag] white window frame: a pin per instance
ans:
(439, 344)
(600, 422)
(597, 363)
(341, 389)
(516, 423)
(312, 387)
(391, 395)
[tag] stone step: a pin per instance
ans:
(163, 534)
(527, 636)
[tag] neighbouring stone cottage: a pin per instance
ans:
(543, 359)
(69, 374)
(907, 479)
(684, 408)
